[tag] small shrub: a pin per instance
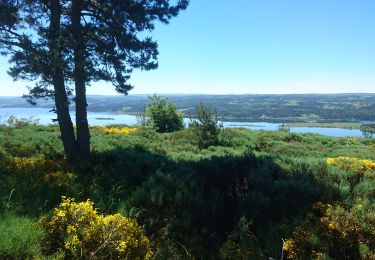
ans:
(205, 127)
(284, 128)
(79, 231)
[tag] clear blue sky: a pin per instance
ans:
(257, 46)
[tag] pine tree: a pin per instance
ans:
(63, 46)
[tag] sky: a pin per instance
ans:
(256, 47)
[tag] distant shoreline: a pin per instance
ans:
(341, 110)
(342, 125)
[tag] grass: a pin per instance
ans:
(19, 237)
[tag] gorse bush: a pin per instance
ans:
(45, 179)
(162, 115)
(204, 126)
(352, 164)
(353, 228)
(116, 130)
(78, 230)
(344, 233)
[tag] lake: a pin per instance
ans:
(45, 117)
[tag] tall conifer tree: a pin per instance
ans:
(64, 45)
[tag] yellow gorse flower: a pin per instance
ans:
(352, 164)
(33, 164)
(291, 249)
(25, 163)
(116, 130)
(83, 231)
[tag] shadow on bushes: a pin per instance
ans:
(189, 208)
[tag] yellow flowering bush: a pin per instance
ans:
(352, 164)
(26, 164)
(116, 130)
(359, 167)
(299, 245)
(350, 230)
(40, 169)
(79, 231)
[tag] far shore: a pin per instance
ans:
(342, 125)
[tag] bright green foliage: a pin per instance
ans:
(79, 231)
(163, 116)
(18, 237)
(205, 127)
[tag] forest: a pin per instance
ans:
(246, 195)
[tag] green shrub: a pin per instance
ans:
(19, 237)
(162, 115)
(205, 128)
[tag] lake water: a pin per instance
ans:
(45, 117)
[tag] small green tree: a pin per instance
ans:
(284, 128)
(162, 115)
(205, 126)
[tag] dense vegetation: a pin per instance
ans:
(238, 199)
(276, 108)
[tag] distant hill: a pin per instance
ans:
(283, 108)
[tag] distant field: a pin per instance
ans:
(311, 108)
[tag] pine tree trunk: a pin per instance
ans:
(83, 133)
(61, 99)
(64, 120)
